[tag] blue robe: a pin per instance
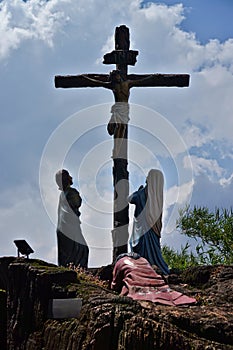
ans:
(144, 240)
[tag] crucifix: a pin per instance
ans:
(120, 83)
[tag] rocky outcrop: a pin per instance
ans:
(111, 322)
(3, 319)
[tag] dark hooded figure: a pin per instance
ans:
(72, 247)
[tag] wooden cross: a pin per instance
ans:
(120, 83)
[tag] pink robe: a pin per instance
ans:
(136, 279)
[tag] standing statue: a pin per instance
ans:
(72, 247)
(147, 226)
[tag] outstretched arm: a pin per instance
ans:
(147, 80)
(82, 81)
(140, 82)
(105, 84)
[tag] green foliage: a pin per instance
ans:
(213, 232)
(179, 260)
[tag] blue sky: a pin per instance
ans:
(207, 19)
(187, 132)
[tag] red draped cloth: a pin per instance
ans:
(136, 279)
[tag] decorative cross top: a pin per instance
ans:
(120, 82)
(122, 57)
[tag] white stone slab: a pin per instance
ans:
(65, 308)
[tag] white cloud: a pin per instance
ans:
(23, 218)
(178, 194)
(226, 181)
(176, 197)
(205, 166)
(37, 20)
(195, 137)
